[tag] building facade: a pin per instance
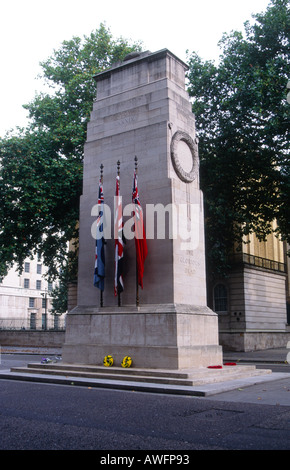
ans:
(252, 302)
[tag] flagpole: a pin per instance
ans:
(137, 283)
(118, 174)
(101, 292)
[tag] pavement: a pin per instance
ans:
(266, 356)
(43, 351)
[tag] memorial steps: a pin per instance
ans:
(200, 381)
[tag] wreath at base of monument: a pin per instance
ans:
(127, 361)
(108, 361)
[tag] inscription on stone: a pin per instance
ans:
(126, 117)
(190, 265)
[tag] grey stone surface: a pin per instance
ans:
(143, 110)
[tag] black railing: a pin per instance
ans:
(259, 262)
(56, 323)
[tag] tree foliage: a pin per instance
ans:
(41, 165)
(242, 118)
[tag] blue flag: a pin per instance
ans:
(99, 275)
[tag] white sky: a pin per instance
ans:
(31, 29)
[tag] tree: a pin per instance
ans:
(41, 166)
(242, 118)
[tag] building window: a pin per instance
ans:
(38, 285)
(220, 295)
(26, 283)
(31, 302)
(39, 268)
(27, 267)
(44, 303)
(49, 286)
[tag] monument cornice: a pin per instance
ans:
(144, 309)
(141, 57)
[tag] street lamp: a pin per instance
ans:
(44, 295)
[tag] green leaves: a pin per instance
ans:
(41, 166)
(242, 118)
(39, 193)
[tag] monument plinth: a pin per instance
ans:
(142, 109)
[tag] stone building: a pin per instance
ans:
(252, 302)
(25, 301)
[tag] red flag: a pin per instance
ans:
(140, 237)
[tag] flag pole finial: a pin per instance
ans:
(101, 171)
(118, 167)
(136, 163)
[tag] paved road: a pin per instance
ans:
(55, 417)
(47, 417)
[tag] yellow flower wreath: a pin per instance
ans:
(127, 362)
(108, 361)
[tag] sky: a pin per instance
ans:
(31, 30)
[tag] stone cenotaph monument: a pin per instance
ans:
(143, 110)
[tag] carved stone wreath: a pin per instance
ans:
(186, 176)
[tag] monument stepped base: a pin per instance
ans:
(197, 382)
(171, 336)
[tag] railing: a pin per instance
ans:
(259, 262)
(51, 323)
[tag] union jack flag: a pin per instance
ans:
(140, 238)
(99, 274)
(119, 241)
